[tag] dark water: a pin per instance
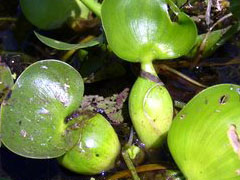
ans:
(14, 167)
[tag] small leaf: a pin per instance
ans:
(211, 43)
(140, 30)
(66, 46)
(51, 14)
(214, 40)
(33, 118)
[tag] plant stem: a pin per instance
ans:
(8, 19)
(143, 168)
(208, 12)
(148, 67)
(173, 7)
(93, 5)
(130, 165)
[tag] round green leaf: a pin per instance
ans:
(204, 136)
(140, 30)
(33, 118)
(50, 14)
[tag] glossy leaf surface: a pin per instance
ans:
(51, 14)
(65, 46)
(97, 148)
(204, 136)
(6, 83)
(6, 79)
(140, 30)
(33, 118)
(212, 42)
(151, 111)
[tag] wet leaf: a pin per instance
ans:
(6, 80)
(140, 30)
(33, 118)
(211, 42)
(6, 83)
(66, 46)
(179, 3)
(52, 14)
(203, 138)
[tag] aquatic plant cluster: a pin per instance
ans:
(41, 118)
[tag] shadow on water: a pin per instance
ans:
(14, 167)
(19, 168)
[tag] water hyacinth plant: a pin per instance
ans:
(143, 31)
(40, 116)
(39, 120)
(204, 136)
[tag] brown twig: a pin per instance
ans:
(183, 76)
(208, 12)
(203, 43)
(183, 63)
(139, 169)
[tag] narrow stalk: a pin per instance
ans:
(93, 5)
(130, 140)
(148, 67)
(173, 7)
(208, 12)
(8, 19)
(130, 165)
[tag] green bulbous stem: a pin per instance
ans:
(151, 109)
(96, 150)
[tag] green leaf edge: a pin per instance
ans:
(59, 45)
